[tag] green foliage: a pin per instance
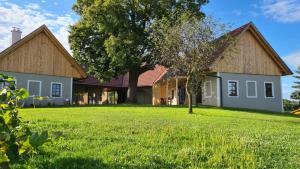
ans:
(16, 139)
(112, 37)
(114, 137)
(296, 94)
(189, 46)
(289, 105)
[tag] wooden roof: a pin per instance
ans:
(40, 53)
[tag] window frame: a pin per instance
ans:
(247, 92)
(273, 92)
(204, 87)
(61, 90)
(237, 88)
(2, 84)
(40, 87)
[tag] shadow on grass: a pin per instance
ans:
(91, 163)
(180, 106)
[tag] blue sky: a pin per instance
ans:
(278, 21)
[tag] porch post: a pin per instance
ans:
(167, 88)
(107, 96)
(176, 92)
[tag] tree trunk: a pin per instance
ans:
(190, 97)
(132, 87)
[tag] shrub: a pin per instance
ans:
(289, 105)
(16, 139)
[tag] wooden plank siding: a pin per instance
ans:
(38, 56)
(40, 53)
(248, 57)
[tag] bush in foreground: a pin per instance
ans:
(16, 139)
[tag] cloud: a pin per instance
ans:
(293, 59)
(237, 12)
(29, 17)
(286, 11)
(33, 6)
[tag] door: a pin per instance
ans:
(181, 95)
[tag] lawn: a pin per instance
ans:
(162, 137)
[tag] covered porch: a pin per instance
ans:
(171, 92)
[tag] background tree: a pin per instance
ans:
(112, 37)
(188, 47)
(296, 94)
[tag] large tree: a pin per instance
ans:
(296, 94)
(112, 36)
(189, 46)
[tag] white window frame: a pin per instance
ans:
(251, 81)
(210, 85)
(61, 90)
(273, 92)
(40, 82)
(237, 88)
(2, 84)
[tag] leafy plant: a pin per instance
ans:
(290, 105)
(16, 139)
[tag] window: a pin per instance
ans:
(207, 89)
(251, 89)
(34, 88)
(6, 84)
(269, 90)
(233, 90)
(56, 90)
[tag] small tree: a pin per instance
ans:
(16, 139)
(296, 94)
(188, 47)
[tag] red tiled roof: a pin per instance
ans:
(90, 81)
(146, 79)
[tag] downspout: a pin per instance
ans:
(221, 88)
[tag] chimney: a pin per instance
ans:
(15, 35)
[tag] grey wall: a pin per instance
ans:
(213, 100)
(270, 104)
(22, 82)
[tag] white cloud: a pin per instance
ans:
(293, 59)
(282, 10)
(28, 18)
(33, 6)
(237, 12)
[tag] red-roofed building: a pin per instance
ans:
(249, 77)
(91, 91)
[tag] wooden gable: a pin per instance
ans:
(251, 55)
(40, 53)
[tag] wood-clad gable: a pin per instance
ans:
(40, 53)
(251, 55)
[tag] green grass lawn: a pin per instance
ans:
(162, 137)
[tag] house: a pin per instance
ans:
(91, 91)
(248, 77)
(41, 65)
